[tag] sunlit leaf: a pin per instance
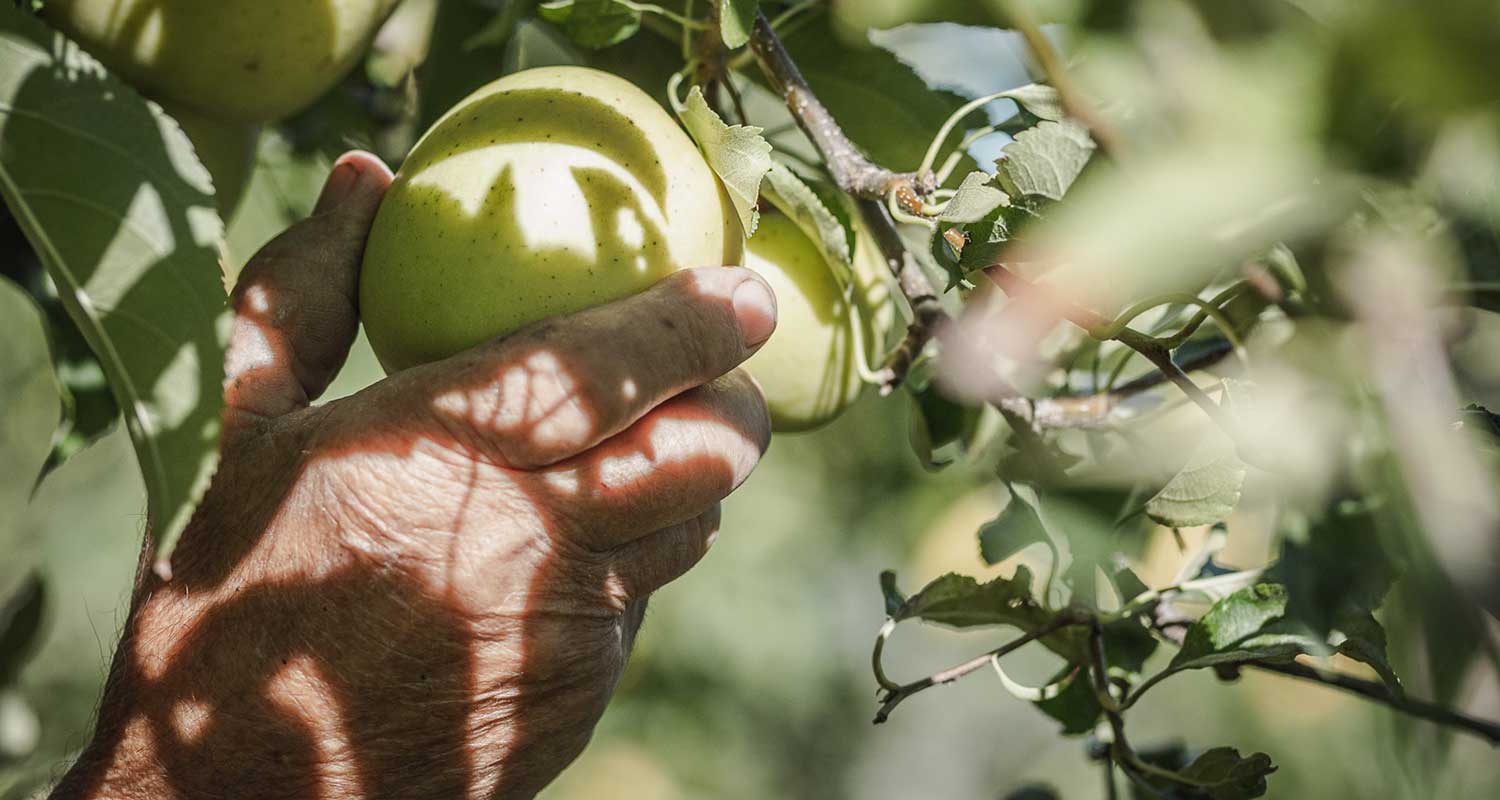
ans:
(797, 200)
(1205, 491)
(1045, 160)
(975, 200)
(1246, 626)
(111, 197)
(737, 153)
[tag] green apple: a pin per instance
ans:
(227, 149)
(243, 60)
(809, 369)
(546, 192)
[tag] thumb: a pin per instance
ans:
(295, 306)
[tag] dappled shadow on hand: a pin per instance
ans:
(412, 592)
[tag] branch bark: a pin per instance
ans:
(927, 312)
(853, 173)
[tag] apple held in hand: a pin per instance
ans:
(242, 60)
(544, 193)
(561, 188)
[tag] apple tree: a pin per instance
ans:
(1218, 269)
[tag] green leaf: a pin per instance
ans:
(975, 200)
(797, 200)
(107, 189)
(1245, 626)
(1220, 774)
(939, 428)
(1045, 160)
(737, 153)
(594, 24)
(959, 601)
(736, 20)
(1017, 527)
(985, 239)
(1203, 492)
(1075, 706)
(1360, 637)
(1041, 100)
(20, 626)
(29, 397)
(894, 599)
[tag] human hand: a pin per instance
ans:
(430, 588)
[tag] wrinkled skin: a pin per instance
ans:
(430, 588)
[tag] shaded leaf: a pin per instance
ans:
(29, 401)
(594, 24)
(1361, 638)
(1075, 706)
(737, 153)
(498, 31)
(20, 626)
(108, 191)
(736, 20)
(894, 599)
(1223, 774)
(959, 601)
(1017, 527)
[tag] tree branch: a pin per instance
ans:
(893, 696)
(1421, 709)
(854, 174)
(927, 312)
(1013, 285)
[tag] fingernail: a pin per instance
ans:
(755, 308)
(338, 187)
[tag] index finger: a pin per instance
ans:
(555, 389)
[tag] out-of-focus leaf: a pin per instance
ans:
(797, 200)
(29, 398)
(108, 191)
(534, 44)
(20, 624)
(594, 24)
(1205, 491)
(738, 153)
(1127, 645)
(501, 27)
(938, 427)
(1034, 792)
(1017, 527)
(1337, 566)
(975, 200)
(1045, 160)
(736, 20)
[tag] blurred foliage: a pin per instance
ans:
(1300, 195)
